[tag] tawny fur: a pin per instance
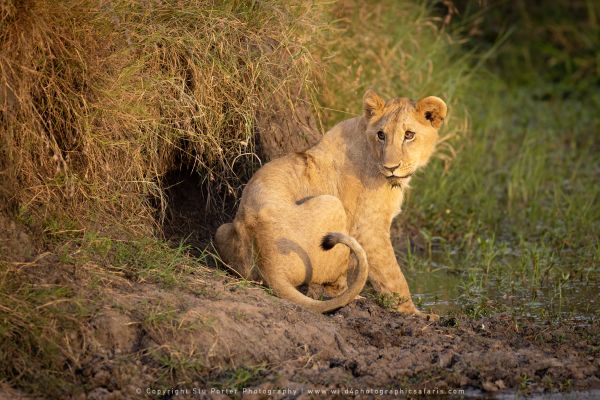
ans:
(351, 185)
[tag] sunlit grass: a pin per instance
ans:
(517, 213)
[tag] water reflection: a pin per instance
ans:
(445, 291)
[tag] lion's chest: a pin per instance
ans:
(375, 210)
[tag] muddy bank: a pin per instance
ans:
(364, 347)
(119, 336)
(147, 340)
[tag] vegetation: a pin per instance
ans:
(100, 101)
(88, 85)
(516, 215)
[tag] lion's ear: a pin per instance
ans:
(372, 104)
(431, 110)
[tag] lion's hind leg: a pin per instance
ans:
(318, 216)
(236, 250)
(336, 288)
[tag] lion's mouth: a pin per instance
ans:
(396, 177)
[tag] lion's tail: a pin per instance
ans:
(289, 292)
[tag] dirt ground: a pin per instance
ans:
(219, 337)
(365, 347)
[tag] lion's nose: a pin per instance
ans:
(391, 169)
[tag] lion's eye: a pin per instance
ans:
(381, 135)
(409, 135)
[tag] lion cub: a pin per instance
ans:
(346, 189)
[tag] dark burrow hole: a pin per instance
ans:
(197, 204)
(194, 210)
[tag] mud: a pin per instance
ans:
(215, 333)
(366, 347)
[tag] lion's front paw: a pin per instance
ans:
(426, 316)
(429, 316)
(409, 308)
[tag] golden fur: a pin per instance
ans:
(349, 185)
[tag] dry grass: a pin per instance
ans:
(100, 99)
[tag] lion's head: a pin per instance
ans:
(401, 134)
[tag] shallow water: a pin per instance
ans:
(438, 290)
(445, 291)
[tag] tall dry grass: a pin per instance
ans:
(100, 99)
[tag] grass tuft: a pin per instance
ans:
(101, 99)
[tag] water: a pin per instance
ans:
(445, 291)
(438, 289)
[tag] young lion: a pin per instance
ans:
(346, 189)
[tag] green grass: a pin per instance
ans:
(39, 328)
(238, 378)
(48, 306)
(410, 59)
(389, 301)
(140, 259)
(516, 215)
